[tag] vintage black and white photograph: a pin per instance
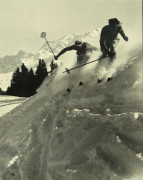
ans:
(71, 90)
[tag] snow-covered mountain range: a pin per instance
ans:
(8, 64)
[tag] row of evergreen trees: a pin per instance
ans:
(24, 82)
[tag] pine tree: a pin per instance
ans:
(44, 69)
(24, 81)
(9, 91)
(41, 72)
(31, 83)
(38, 74)
(15, 87)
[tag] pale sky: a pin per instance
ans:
(22, 21)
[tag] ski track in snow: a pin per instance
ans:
(8, 103)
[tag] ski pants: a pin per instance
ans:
(111, 45)
(82, 59)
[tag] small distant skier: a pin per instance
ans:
(109, 37)
(82, 48)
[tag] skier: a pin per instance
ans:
(82, 48)
(109, 37)
(109, 40)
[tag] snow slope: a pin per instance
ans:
(93, 133)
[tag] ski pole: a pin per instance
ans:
(43, 35)
(68, 70)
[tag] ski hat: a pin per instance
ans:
(114, 21)
(77, 42)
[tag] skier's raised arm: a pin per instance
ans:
(81, 48)
(123, 34)
(65, 50)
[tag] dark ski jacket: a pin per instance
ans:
(81, 50)
(108, 34)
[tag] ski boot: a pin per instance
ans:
(80, 83)
(99, 80)
(109, 79)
